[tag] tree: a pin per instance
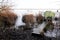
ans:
(49, 25)
(7, 17)
(39, 18)
(28, 19)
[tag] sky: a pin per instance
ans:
(37, 4)
(34, 4)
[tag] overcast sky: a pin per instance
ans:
(37, 4)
